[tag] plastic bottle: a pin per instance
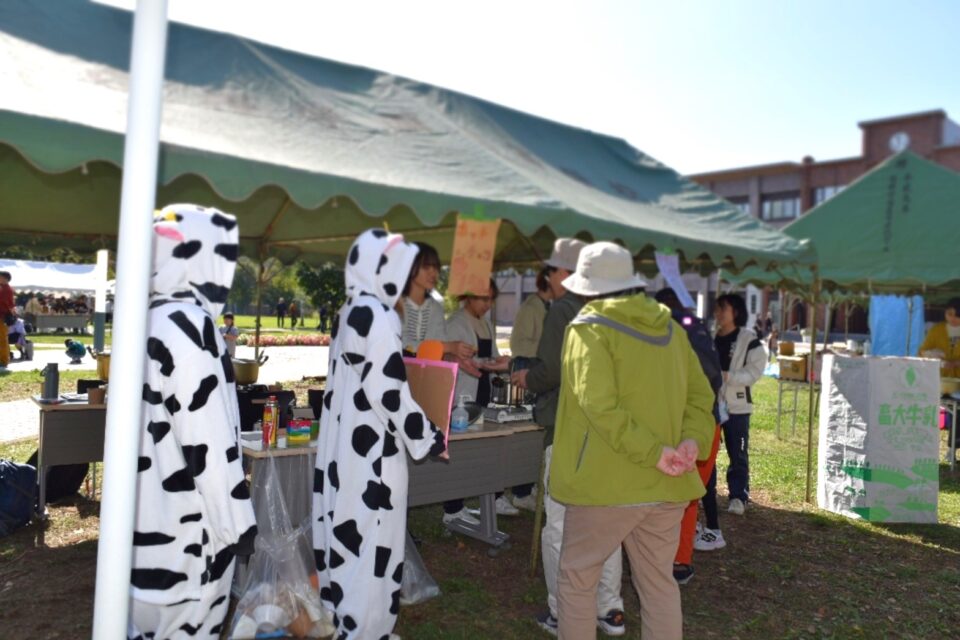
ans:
(460, 419)
(866, 348)
(270, 420)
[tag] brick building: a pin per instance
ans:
(780, 192)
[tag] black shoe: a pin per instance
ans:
(682, 573)
(613, 624)
(548, 623)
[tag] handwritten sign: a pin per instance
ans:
(473, 246)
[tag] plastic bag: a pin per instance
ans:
(417, 585)
(280, 594)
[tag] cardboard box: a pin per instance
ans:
(793, 367)
(786, 348)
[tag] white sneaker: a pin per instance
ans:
(709, 540)
(526, 502)
(736, 507)
(504, 508)
(462, 516)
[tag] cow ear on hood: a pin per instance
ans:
(195, 255)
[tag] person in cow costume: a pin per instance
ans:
(194, 513)
(369, 424)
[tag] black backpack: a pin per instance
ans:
(703, 346)
(63, 480)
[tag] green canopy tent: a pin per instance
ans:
(894, 230)
(308, 152)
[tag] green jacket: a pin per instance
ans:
(543, 378)
(622, 399)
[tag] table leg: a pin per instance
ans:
(779, 405)
(953, 436)
(793, 427)
(486, 531)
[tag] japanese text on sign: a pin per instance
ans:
(473, 246)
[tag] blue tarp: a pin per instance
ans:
(894, 319)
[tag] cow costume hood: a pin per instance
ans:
(378, 264)
(195, 255)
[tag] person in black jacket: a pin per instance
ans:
(690, 538)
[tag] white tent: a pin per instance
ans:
(50, 277)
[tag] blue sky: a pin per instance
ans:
(700, 85)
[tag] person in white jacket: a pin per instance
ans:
(742, 359)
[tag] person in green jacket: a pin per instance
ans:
(634, 416)
(543, 378)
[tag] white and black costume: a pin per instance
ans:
(369, 424)
(193, 506)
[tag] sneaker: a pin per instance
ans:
(528, 502)
(548, 623)
(737, 507)
(682, 573)
(504, 508)
(462, 516)
(709, 540)
(613, 624)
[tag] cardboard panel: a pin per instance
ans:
(432, 383)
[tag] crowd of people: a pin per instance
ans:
(632, 395)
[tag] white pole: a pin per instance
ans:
(100, 301)
(134, 258)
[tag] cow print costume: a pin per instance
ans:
(369, 424)
(193, 506)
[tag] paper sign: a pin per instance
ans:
(669, 266)
(473, 246)
(432, 383)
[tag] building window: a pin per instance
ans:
(822, 194)
(780, 206)
(742, 203)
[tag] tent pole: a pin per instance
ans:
(815, 295)
(256, 330)
(100, 300)
(909, 323)
(828, 321)
(134, 257)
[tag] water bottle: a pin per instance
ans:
(460, 419)
(51, 381)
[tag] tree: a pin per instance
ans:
(322, 286)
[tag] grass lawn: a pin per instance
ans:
(308, 324)
(20, 385)
(789, 570)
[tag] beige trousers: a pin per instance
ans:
(649, 535)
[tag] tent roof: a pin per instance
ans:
(308, 152)
(895, 230)
(29, 275)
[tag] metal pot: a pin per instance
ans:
(103, 363)
(246, 371)
(949, 385)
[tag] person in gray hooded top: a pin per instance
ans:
(369, 423)
(194, 513)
